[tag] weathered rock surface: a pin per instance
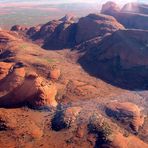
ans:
(4, 69)
(15, 89)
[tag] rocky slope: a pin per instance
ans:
(49, 98)
(120, 59)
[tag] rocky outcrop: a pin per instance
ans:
(4, 69)
(110, 8)
(45, 31)
(6, 36)
(64, 118)
(15, 89)
(54, 73)
(33, 30)
(71, 33)
(97, 25)
(126, 113)
(19, 28)
(68, 18)
(125, 17)
(135, 8)
(63, 36)
(110, 135)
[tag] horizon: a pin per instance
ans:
(33, 12)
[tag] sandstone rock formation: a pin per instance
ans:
(63, 36)
(110, 8)
(97, 25)
(68, 18)
(33, 30)
(123, 55)
(43, 32)
(126, 113)
(64, 118)
(127, 18)
(135, 8)
(15, 89)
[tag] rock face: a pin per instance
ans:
(33, 30)
(45, 31)
(19, 28)
(4, 69)
(135, 8)
(127, 18)
(126, 113)
(63, 36)
(97, 25)
(120, 59)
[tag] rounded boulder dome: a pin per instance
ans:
(97, 25)
(109, 8)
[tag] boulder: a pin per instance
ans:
(65, 118)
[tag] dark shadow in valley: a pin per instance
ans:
(62, 37)
(110, 71)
